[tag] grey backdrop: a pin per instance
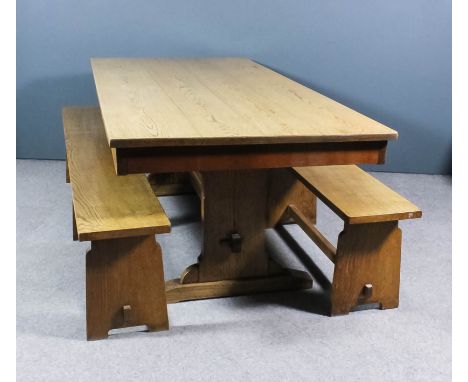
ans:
(390, 60)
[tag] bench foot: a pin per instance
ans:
(124, 286)
(389, 304)
(367, 267)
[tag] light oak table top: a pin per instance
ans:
(220, 101)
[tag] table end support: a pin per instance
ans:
(287, 280)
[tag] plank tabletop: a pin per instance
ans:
(219, 101)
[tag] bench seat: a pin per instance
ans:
(105, 205)
(368, 254)
(120, 215)
(356, 196)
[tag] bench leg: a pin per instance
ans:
(367, 267)
(124, 286)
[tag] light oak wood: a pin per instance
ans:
(124, 286)
(168, 184)
(235, 157)
(67, 174)
(222, 101)
(124, 275)
(285, 189)
(244, 203)
(367, 257)
(177, 291)
(317, 237)
(367, 254)
(235, 211)
(179, 115)
(234, 202)
(75, 232)
(356, 196)
(367, 263)
(105, 205)
(197, 183)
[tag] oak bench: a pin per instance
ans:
(120, 216)
(367, 256)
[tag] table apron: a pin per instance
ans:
(217, 158)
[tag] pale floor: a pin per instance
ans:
(270, 337)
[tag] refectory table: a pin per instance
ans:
(236, 126)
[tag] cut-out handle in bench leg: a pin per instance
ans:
(367, 267)
(123, 273)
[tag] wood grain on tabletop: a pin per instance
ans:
(219, 101)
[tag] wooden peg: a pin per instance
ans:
(126, 310)
(234, 240)
(367, 290)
